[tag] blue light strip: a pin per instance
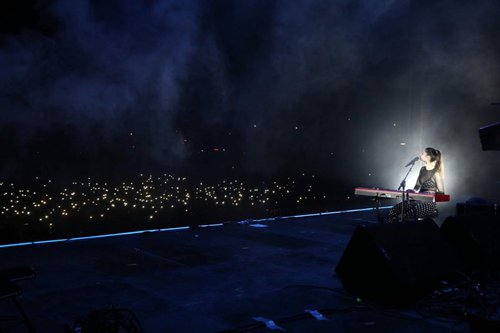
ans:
(49, 241)
(91, 237)
(16, 244)
(211, 225)
(174, 229)
(112, 235)
(320, 214)
(61, 240)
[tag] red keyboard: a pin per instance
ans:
(394, 194)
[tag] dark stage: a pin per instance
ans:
(211, 279)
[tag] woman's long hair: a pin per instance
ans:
(438, 157)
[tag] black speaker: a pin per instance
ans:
(477, 238)
(490, 137)
(397, 261)
(476, 205)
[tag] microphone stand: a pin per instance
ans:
(405, 196)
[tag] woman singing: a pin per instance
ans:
(430, 180)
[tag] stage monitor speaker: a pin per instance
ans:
(397, 261)
(476, 238)
(490, 137)
(476, 205)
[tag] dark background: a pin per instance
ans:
(347, 90)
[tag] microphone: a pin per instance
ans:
(412, 161)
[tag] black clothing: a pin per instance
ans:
(426, 181)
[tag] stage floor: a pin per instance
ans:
(209, 279)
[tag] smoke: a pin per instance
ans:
(110, 71)
(440, 98)
(348, 90)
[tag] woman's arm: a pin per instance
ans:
(418, 185)
(439, 182)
